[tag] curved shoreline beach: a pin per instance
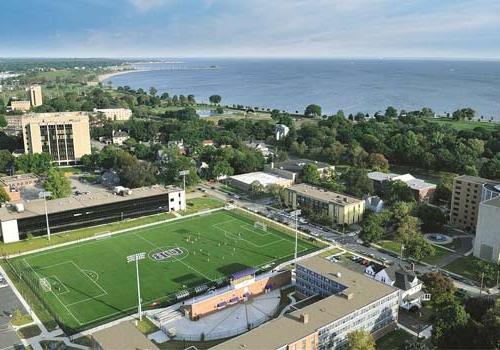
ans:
(106, 76)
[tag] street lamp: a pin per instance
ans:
(183, 173)
(131, 258)
(296, 213)
(46, 194)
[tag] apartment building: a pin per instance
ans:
(118, 114)
(340, 208)
(350, 301)
(65, 135)
(35, 95)
(468, 192)
(487, 241)
(20, 105)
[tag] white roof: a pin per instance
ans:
(264, 178)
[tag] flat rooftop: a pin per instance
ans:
(295, 165)
(123, 336)
(494, 202)
(408, 179)
(36, 207)
(264, 178)
(288, 328)
(324, 195)
(15, 178)
(474, 179)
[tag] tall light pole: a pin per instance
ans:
(183, 173)
(296, 213)
(46, 194)
(131, 258)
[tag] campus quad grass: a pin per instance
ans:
(91, 281)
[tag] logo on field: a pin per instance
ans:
(168, 254)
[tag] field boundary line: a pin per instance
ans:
(60, 282)
(55, 295)
(111, 234)
(230, 235)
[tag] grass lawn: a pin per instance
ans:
(394, 340)
(196, 204)
(29, 332)
(391, 245)
(146, 326)
(330, 252)
(69, 236)
(20, 319)
(439, 254)
(464, 125)
(467, 267)
(89, 283)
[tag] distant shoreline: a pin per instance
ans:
(105, 76)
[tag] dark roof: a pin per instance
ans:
(377, 268)
(403, 279)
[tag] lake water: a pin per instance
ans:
(351, 85)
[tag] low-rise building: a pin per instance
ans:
(348, 301)
(260, 146)
(340, 208)
(422, 190)
(487, 241)
(117, 114)
(119, 137)
(28, 217)
(123, 336)
(281, 131)
(15, 183)
(374, 203)
(20, 105)
(243, 181)
(291, 168)
(468, 192)
(411, 294)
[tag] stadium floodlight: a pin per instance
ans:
(131, 258)
(296, 214)
(183, 173)
(44, 195)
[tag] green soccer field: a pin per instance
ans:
(88, 283)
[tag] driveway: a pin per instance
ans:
(8, 304)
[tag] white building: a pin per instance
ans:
(115, 113)
(487, 241)
(374, 203)
(243, 181)
(281, 130)
(411, 294)
(119, 137)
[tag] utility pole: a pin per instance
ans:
(296, 213)
(481, 289)
(131, 258)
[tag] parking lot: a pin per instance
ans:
(8, 304)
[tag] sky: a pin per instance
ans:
(251, 28)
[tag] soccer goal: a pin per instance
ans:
(260, 226)
(45, 284)
(229, 206)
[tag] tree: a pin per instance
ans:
(152, 91)
(357, 182)
(3, 121)
(37, 163)
(391, 112)
(279, 194)
(444, 189)
(6, 161)
(410, 236)
(449, 319)
(400, 192)
(256, 188)
(58, 184)
(415, 344)
(139, 174)
(432, 218)
(464, 113)
(215, 99)
(373, 229)
(360, 340)
(4, 197)
(378, 162)
(221, 169)
(309, 174)
(312, 111)
(440, 287)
